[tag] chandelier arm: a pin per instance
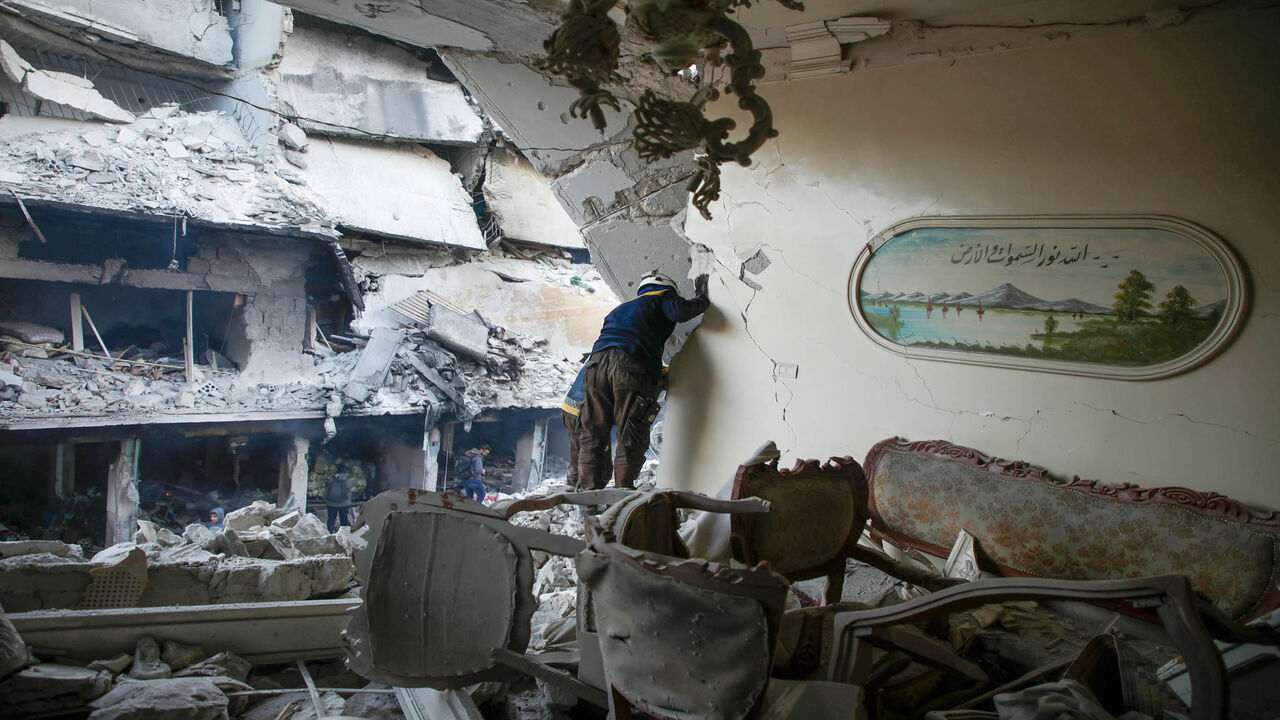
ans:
(745, 69)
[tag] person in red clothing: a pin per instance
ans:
(624, 376)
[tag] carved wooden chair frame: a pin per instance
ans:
(1189, 621)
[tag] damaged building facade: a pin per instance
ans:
(344, 236)
(243, 256)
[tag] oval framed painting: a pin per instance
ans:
(1127, 298)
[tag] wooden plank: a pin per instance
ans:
(311, 689)
(77, 324)
(551, 676)
(85, 311)
(262, 633)
(188, 345)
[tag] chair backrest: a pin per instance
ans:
(445, 581)
(682, 639)
(818, 511)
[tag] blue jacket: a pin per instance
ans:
(577, 393)
(642, 325)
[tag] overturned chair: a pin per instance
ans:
(446, 583)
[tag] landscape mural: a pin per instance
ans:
(1125, 297)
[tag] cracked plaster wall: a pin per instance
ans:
(1179, 122)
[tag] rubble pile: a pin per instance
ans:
(517, 373)
(262, 555)
(171, 679)
(166, 162)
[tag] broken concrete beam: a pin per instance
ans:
(14, 548)
(370, 371)
(258, 632)
(51, 689)
(14, 67)
(70, 90)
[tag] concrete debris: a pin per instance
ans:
(252, 516)
(293, 137)
(14, 654)
(14, 548)
(224, 664)
(147, 664)
(193, 698)
(517, 372)
(115, 665)
(259, 563)
(178, 656)
(169, 162)
(51, 689)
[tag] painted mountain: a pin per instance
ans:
(1005, 296)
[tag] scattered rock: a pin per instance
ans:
(257, 514)
(191, 698)
(178, 656)
(146, 661)
(292, 136)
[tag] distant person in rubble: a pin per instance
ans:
(473, 474)
(337, 498)
(624, 377)
(217, 519)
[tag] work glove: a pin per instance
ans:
(700, 285)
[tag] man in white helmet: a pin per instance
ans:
(622, 379)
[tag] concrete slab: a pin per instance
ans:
(520, 197)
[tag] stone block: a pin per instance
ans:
(255, 515)
(229, 268)
(198, 265)
(255, 332)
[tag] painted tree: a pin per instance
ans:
(1134, 296)
(1176, 307)
(1050, 324)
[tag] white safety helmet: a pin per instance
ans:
(655, 278)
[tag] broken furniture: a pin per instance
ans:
(1188, 623)
(818, 513)
(922, 494)
(446, 583)
(667, 624)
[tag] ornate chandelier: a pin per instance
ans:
(584, 50)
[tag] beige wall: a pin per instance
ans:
(1182, 122)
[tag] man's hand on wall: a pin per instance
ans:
(700, 285)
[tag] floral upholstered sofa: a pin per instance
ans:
(922, 494)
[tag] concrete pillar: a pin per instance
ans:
(294, 470)
(529, 453)
(122, 493)
(62, 471)
(431, 443)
